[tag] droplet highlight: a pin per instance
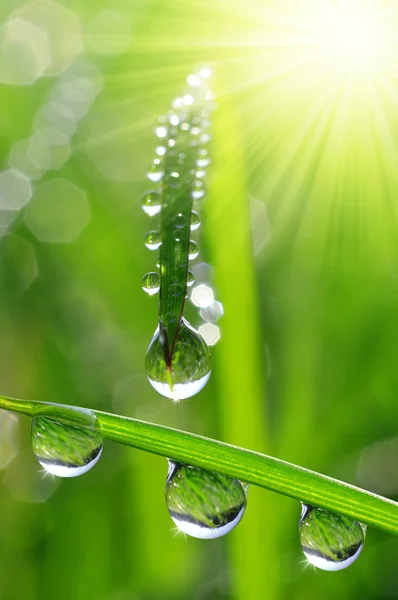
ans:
(67, 446)
(190, 366)
(151, 283)
(203, 504)
(330, 541)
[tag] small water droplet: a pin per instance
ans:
(200, 174)
(153, 240)
(205, 73)
(195, 220)
(190, 365)
(152, 203)
(203, 159)
(188, 99)
(198, 189)
(155, 171)
(184, 126)
(151, 283)
(174, 119)
(203, 504)
(330, 541)
(190, 279)
(193, 250)
(160, 150)
(161, 131)
(205, 138)
(171, 143)
(67, 446)
(194, 80)
(180, 221)
(176, 290)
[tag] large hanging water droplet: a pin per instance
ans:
(190, 364)
(330, 541)
(152, 203)
(67, 446)
(155, 171)
(193, 251)
(151, 283)
(195, 220)
(153, 240)
(203, 504)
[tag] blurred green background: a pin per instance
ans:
(300, 229)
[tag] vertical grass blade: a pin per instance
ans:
(239, 358)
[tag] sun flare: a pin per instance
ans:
(351, 37)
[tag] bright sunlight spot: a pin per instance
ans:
(352, 37)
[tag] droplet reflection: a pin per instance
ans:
(330, 541)
(203, 504)
(67, 446)
(190, 364)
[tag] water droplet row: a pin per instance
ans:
(202, 504)
(194, 124)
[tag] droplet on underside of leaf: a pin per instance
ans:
(67, 446)
(203, 504)
(189, 368)
(330, 541)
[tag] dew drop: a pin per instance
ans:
(174, 119)
(193, 250)
(203, 504)
(153, 240)
(152, 203)
(188, 99)
(203, 159)
(198, 189)
(160, 150)
(195, 220)
(190, 365)
(151, 283)
(330, 541)
(176, 290)
(180, 221)
(155, 171)
(161, 131)
(190, 279)
(194, 80)
(67, 446)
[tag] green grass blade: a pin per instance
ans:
(258, 469)
(239, 356)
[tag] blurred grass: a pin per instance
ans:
(327, 302)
